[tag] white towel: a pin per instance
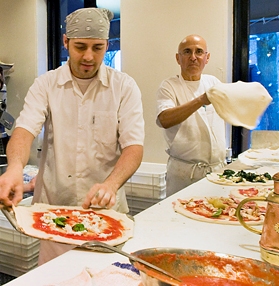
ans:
(120, 274)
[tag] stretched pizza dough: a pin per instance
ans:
(179, 208)
(239, 103)
(24, 219)
(214, 178)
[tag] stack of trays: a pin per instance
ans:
(18, 252)
(146, 187)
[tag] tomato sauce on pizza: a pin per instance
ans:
(83, 225)
(219, 210)
(251, 192)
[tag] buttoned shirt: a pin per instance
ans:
(201, 137)
(83, 133)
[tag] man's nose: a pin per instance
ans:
(193, 55)
(88, 55)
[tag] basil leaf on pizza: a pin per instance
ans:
(242, 177)
(73, 225)
(220, 210)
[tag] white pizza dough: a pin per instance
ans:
(239, 103)
(214, 177)
(264, 156)
(24, 218)
(178, 207)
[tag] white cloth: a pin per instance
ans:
(240, 103)
(200, 138)
(83, 134)
(111, 275)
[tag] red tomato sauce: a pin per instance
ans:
(195, 272)
(210, 281)
(113, 227)
(251, 192)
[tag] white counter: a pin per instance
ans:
(158, 226)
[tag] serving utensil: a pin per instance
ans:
(9, 214)
(95, 243)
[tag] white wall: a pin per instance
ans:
(23, 42)
(150, 34)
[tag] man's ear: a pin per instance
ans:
(65, 41)
(107, 44)
(207, 57)
(177, 58)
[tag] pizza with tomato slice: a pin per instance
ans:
(221, 210)
(248, 192)
(73, 225)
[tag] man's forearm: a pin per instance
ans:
(127, 164)
(18, 148)
(173, 116)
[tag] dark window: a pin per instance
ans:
(256, 58)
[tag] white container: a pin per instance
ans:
(14, 271)
(24, 250)
(18, 252)
(10, 260)
(150, 174)
(137, 204)
(145, 191)
(4, 223)
(16, 237)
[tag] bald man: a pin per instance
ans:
(194, 132)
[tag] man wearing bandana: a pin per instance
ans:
(93, 128)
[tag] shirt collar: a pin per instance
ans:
(66, 75)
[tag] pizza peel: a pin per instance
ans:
(95, 243)
(9, 214)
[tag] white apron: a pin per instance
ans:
(199, 145)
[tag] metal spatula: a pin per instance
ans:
(9, 214)
(95, 243)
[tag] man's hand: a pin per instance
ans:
(204, 99)
(104, 195)
(11, 188)
(101, 195)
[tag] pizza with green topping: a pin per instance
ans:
(221, 210)
(73, 224)
(259, 177)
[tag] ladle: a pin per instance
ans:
(93, 243)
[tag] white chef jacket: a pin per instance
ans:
(83, 133)
(196, 145)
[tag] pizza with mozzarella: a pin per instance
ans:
(221, 210)
(73, 225)
(259, 177)
(248, 192)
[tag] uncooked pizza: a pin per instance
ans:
(73, 225)
(248, 192)
(221, 210)
(259, 177)
(264, 156)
